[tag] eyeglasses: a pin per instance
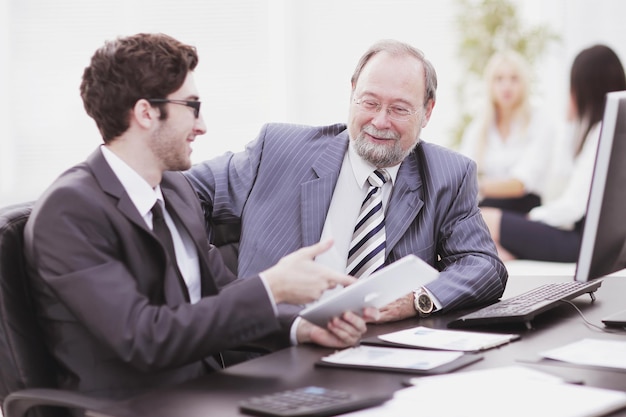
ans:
(194, 104)
(394, 112)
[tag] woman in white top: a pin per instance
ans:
(509, 140)
(553, 231)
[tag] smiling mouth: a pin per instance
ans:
(379, 135)
(380, 139)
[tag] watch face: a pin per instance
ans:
(424, 303)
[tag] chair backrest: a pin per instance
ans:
(226, 238)
(24, 360)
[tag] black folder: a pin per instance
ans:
(463, 360)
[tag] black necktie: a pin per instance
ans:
(160, 229)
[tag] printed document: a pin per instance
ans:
(466, 341)
(594, 352)
(392, 357)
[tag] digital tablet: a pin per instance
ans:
(377, 290)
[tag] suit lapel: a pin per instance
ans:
(316, 194)
(405, 202)
(109, 183)
(186, 215)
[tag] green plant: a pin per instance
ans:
(487, 26)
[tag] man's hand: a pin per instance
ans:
(298, 279)
(400, 309)
(340, 332)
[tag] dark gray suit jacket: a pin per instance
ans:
(115, 323)
(281, 186)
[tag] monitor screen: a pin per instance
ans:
(603, 249)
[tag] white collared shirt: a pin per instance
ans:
(143, 197)
(351, 189)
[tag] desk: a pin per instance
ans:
(218, 394)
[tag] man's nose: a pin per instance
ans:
(200, 127)
(381, 117)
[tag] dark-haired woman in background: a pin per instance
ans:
(553, 231)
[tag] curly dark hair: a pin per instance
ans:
(130, 68)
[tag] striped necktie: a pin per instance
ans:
(367, 248)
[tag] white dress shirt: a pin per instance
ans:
(524, 155)
(575, 173)
(345, 205)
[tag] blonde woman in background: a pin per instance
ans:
(510, 141)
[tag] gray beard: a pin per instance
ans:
(379, 155)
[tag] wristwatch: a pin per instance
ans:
(423, 303)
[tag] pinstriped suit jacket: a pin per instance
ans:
(281, 186)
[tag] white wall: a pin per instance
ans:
(6, 145)
(580, 23)
(328, 38)
(260, 60)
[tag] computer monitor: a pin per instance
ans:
(603, 246)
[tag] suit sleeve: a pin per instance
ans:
(471, 271)
(224, 183)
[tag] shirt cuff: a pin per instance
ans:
(293, 334)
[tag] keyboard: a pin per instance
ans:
(524, 307)
(309, 401)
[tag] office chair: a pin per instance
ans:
(226, 238)
(27, 370)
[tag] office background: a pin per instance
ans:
(260, 61)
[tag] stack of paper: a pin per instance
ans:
(508, 391)
(591, 352)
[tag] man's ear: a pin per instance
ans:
(429, 112)
(144, 114)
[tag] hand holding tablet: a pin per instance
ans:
(377, 290)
